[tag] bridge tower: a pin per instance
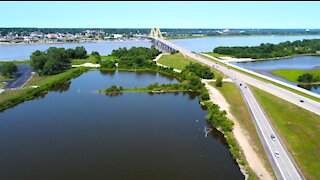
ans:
(156, 33)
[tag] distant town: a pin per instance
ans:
(64, 35)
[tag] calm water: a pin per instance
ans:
(301, 62)
(23, 52)
(72, 134)
(208, 44)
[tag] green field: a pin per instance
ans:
(239, 109)
(178, 61)
(89, 59)
(299, 129)
(218, 55)
(293, 74)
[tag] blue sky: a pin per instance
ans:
(161, 14)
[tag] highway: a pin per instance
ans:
(24, 74)
(284, 165)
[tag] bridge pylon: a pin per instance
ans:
(156, 33)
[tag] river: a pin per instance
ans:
(23, 51)
(74, 132)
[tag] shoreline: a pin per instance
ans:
(195, 37)
(241, 136)
(77, 42)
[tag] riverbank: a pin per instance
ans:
(226, 36)
(37, 86)
(74, 42)
(243, 130)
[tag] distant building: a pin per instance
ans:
(52, 36)
(117, 35)
(36, 34)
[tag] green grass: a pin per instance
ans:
(268, 81)
(298, 128)
(293, 74)
(178, 61)
(2, 84)
(239, 109)
(89, 59)
(218, 55)
(17, 62)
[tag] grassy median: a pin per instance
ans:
(299, 129)
(239, 109)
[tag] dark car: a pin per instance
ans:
(302, 101)
(240, 84)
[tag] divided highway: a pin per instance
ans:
(282, 163)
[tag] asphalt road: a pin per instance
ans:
(24, 73)
(284, 165)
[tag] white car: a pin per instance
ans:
(273, 137)
(276, 154)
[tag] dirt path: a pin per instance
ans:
(241, 135)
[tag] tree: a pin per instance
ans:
(219, 82)
(80, 52)
(305, 78)
(97, 56)
(9, 70)
(52, 61)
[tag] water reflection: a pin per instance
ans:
(93, 136)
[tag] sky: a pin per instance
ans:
(162, 14)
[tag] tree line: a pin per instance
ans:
(267, 50)
(308, 78)
(55, 60)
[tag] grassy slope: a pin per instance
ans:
(293, 74)
(178, 61)
(239, 109)
(298, 128)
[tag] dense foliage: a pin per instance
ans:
(219, 82)
(8, 70)
(96, 56)
(55, 60)
(218, 118)
(272, 50)
(201, 71)
(136, 56)
(308, 78)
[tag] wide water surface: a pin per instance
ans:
(208, 44)
(74, 132)
(23, 52)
